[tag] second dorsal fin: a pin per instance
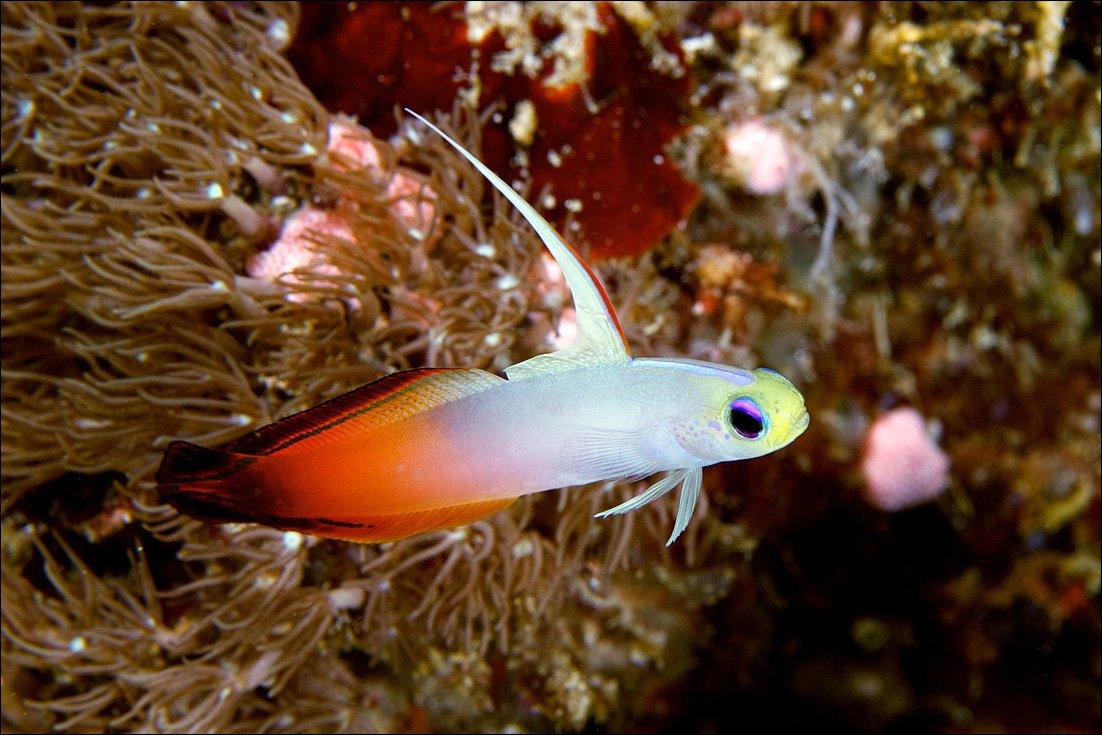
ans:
(384, 401)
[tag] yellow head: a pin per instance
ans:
(724, 413)
(769, 412)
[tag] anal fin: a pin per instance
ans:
(376, 529)
(362, 529)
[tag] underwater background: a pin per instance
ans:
(215, 215)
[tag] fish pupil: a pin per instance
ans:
(747, 419)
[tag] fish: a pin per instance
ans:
(434, 448)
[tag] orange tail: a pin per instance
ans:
(216, 487)
(270, 477)
(200, 482)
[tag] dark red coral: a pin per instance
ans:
(363, 59)
(369, 58)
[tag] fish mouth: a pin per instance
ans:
(798, 426)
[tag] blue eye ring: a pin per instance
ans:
(747, 419)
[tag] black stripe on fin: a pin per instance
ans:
(185, 462)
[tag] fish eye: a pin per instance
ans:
(747, 419)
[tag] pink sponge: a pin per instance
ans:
(903, 467)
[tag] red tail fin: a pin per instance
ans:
(213, 486)
(193, 480)
(185, 462)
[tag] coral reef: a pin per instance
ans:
(593, 92)
(194, 245)
(191, 249)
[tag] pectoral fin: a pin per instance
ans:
(690, 491)
(600, 339)
(652, 493)
(690, 480)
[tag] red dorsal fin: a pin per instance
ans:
(385, 401)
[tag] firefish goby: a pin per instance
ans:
(432, 448)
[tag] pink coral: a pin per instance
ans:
(760, 157)
(296, 249)
(411, 201)
(353, 143)
(903, 466)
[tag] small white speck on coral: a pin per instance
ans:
(280, 32)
